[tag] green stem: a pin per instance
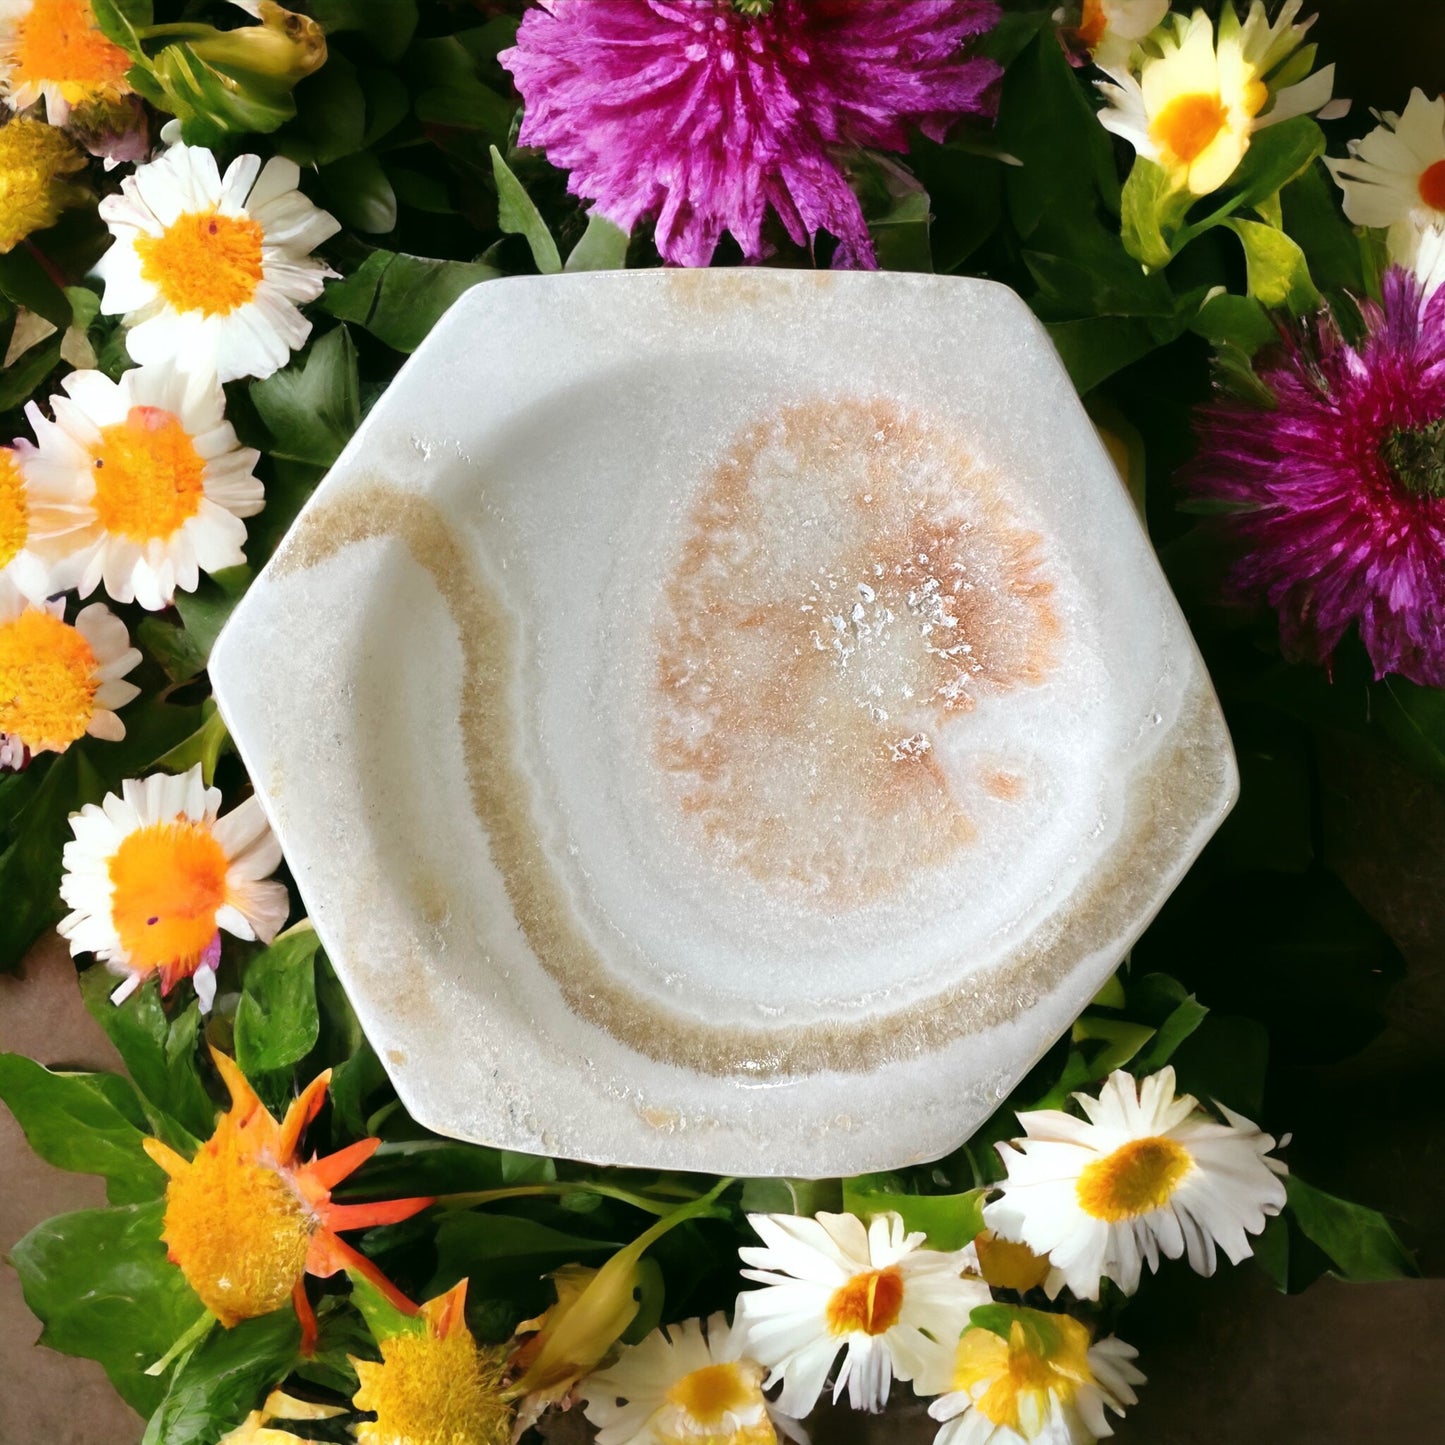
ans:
(187, 1342)
(475, 1197)
(179, 31)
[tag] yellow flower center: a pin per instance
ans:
(59, 43)
(47, 681)
(204, 261)
(1024, 1371)
(1007, 1265)
(149, 478)
(14, 510)
(434, 1391)
(869, 1303)
(167, 880)
(236, 1228)
(1432, 186)
(709, 1394)
(35, 158)
(1135, 1179)
(1188, 125)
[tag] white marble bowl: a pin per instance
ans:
(724, 720)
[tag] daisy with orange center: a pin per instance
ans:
(59, 681)
(211, 268)
(434, 1384)
(54, 50)
(1107, 30)
(156, 481)
(246, 1220)
(834, 1285)
(154, 874)
(1147, 1172)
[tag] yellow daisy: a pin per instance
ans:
(154, 874)
(1045, 1382)
(53, 50)
(435, 1385)
(35, 160)
(246, 1220)
(59, 681)
(155, 480)
(212, 268)
(1191, 105)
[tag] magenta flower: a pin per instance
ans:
(1341, 487)
(705, 115)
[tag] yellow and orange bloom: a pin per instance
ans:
(53, 50)
(1044, 1382)
(256, 1429)
(1108, 30)
(35, 163)
(1147, 1171)
(435, 1385)
(212, 268)
(834, 1284)
(247, 1220)
(153, 874)
(59, 681)
(154, 477)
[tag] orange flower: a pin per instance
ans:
(246, 1221)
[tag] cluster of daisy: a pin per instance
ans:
(136, 485)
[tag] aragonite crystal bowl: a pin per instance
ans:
(725, 720)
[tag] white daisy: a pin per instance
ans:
(1110, 29)
(211, 268)
(685, 1384)
(1045, 1382)
(1191, 105)
(831, 1285)
(59, 681)
(153, 875)
(1146, 1173)
(53, 50)
(155, 479)
(1395, 177)
(33, 515)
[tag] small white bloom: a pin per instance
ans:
(59, 682)
(1046, 1382)
(211, 268)
(1110, 29)
(1191, 105)
(154, 873)
(685, 1384)
(1146, 1173)
(153, 478)
(35, 516)
(834, 1285)
(1395, 177)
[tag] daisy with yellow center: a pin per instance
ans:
(211, 268)
(435, 1385)
(246, 1220)
(1191, 105)
(59, 681)
(54, 50)
(1394, 178)
(1146, 1172)
(685, 1384)
(35, 160)
(34, 519)
(832, 1286)
(154, 874)
(156, 480)
(1043, 1380)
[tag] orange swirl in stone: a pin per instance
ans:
(851, 585)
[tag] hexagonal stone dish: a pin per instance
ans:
(725, 720)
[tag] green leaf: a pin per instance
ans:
(603, 247)
(276, 1019)
(791, 1196)
(1313, 217)
(204, 746)
(1413, 718)
(1235, 320)
(438, 1166)
(1358, 1241)
(1271, 1250)
(484, 1245)
(331, 109)
(223, 1378)
(1000, 1319)
(399, 298)
(1224, 1061)
(159, 1053)
(207, 610)
(87, 1123)
(1094, 348)
(1152, 211)
(27, 283)
(518, 215)
(211, 103)
(360, 194)
(1279, 275)
(312, 407)
(382, 1317)
(120, 19)
(100, 1282)
(449, 91)
(949, 1220)
(22, 377)
(1121, 1040)
(901, 236)
(1180, 1024)
(388, 25)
